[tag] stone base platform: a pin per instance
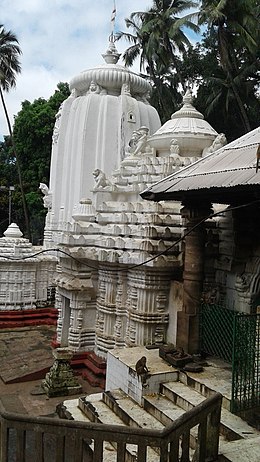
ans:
(122, 374)
(12, 319)
(26, 355)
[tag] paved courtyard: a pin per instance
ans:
(27, 353)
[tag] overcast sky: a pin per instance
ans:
(59, 39)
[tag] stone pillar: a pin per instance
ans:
(60, 380)
(121, 311)
(75, 300)
(106, 309)
(147, 306)
(188, 318)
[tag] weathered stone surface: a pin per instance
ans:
(60, 380)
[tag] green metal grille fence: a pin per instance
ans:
(246, 363)
(234, 337)
(216, 331)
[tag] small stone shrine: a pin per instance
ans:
(26, 279)
(60, 380)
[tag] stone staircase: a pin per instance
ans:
(238, 440)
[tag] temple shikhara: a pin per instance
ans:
(115, 284)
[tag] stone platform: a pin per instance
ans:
(216, 376)
(25, 353)
(170, 393)
(122, 362)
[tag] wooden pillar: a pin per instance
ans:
(188, 318)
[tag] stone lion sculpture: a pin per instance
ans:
(218, 143)
(101, 181)
(47, 196)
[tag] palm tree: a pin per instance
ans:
(236, 25)
(9, 67)
(165, 22)
(158, 37)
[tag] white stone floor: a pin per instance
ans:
(130, 356)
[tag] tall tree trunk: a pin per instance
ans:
(25, 210)
(241, 108)
(228, 65)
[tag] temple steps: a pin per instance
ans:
(91, 367)
(232, 427)
(241, 451)
(70, 411)
(161, 409)
(99, 408)
(217, 377)
(129, 411)
(11, 319)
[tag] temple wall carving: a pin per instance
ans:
(234, 278)
(25, 283)
(75, 301)
(132, 307)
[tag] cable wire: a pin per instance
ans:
(163, 252)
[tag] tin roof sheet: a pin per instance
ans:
(231, 166)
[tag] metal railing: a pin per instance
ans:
(43, 439)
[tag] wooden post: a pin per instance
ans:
(188, 318)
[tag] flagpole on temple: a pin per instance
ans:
(112, 56)
(113, 18)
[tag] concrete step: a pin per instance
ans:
(162, 408)
(159, 410)
(232, 427)
(245, 450)
(97, 410)
(73, 411)
(166, 412)
(217, 377)
(129, 411)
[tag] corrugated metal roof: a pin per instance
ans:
(231, 166)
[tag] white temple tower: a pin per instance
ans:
(93, 128)
(116, 286)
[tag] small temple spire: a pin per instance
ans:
(113, 19)
(112, 56)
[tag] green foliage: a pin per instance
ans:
(234, 24)
(223, 69)
(32, 133)
(8, 177)
(158, 38)
(217, 96)
(9, 58)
